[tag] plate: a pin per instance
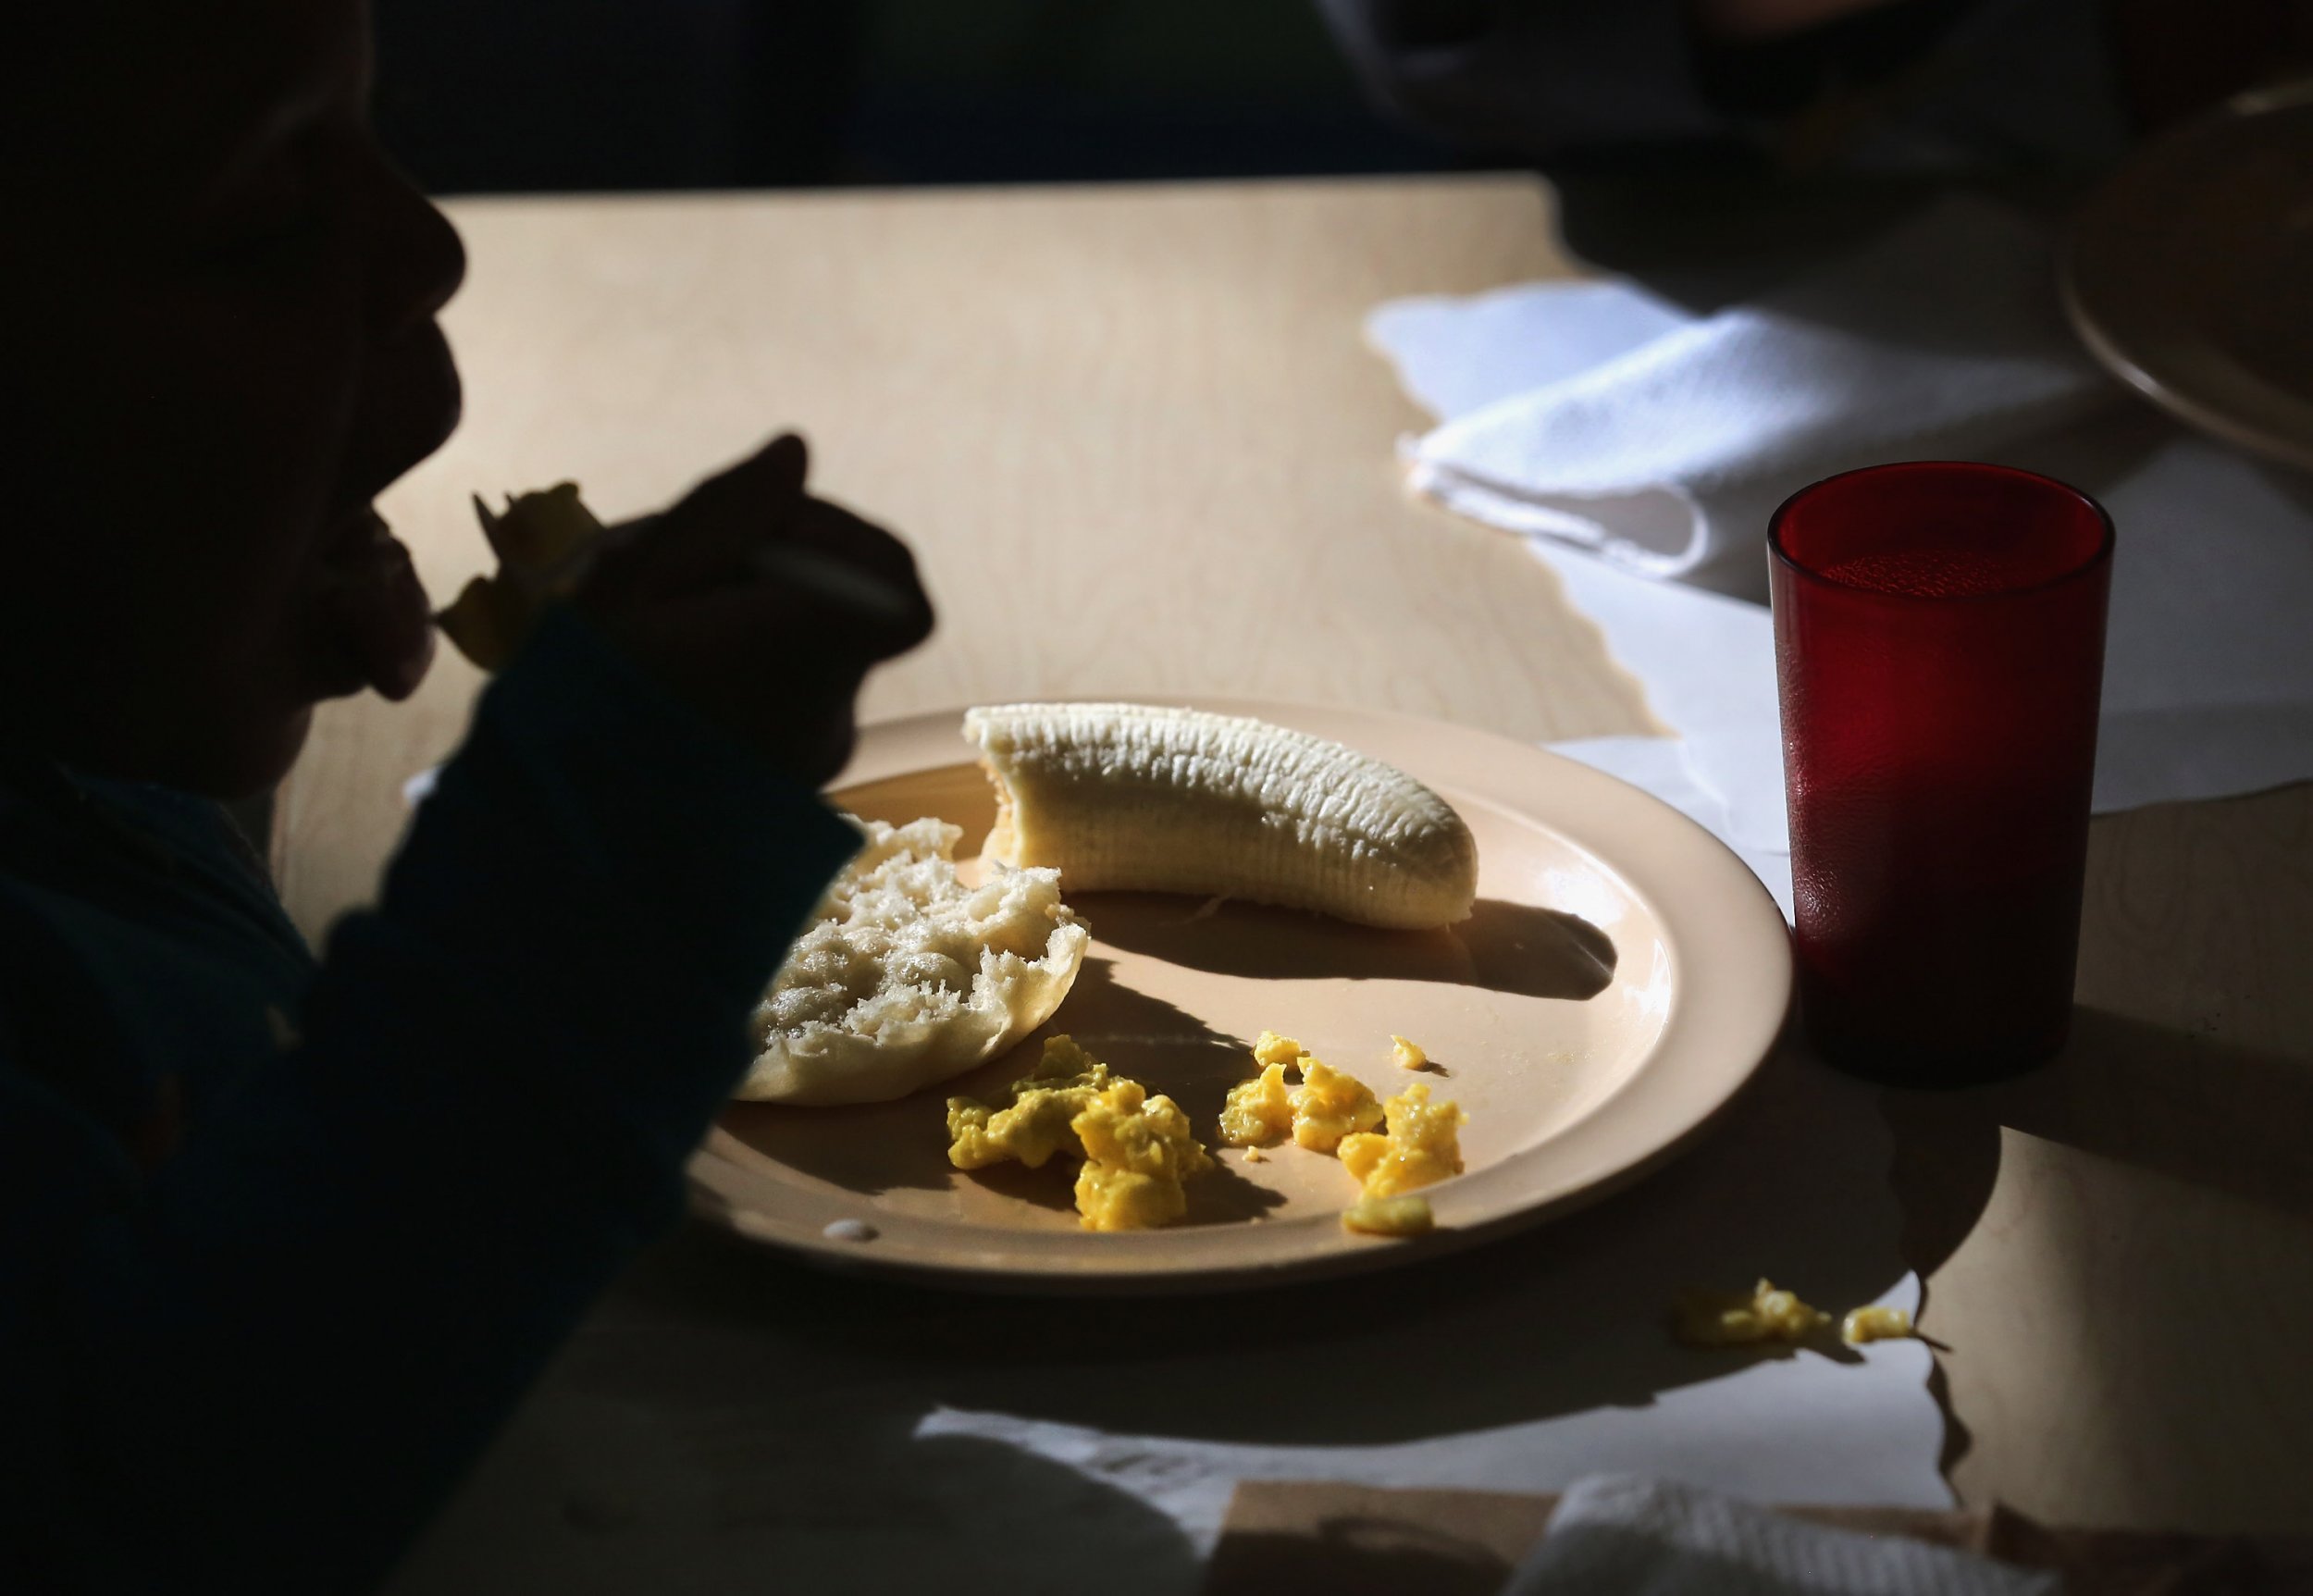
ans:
(2190, 273)
(1623, 976)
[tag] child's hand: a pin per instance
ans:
(763, 607)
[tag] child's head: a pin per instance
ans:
(217, 309)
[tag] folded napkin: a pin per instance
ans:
(1630, 441)
(1635, 434)
(1631, 1537)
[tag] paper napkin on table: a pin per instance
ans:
(1651, 1538)
(1631, 442)
(1942, 336)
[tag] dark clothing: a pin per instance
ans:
(1941, 85)
(280, 1243)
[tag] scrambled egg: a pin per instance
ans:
(1326, 1106)
(1137, 1149)
(1388, 1217)
(1258, 1111)
(1036, 1123)
(1875, 1324)
(1329, 1105)
(1331, 1112)
(1270, 1048)
(1137, 1152)
(1422, 1146)
(1721, 1318)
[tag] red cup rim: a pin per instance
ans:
(2102, 554)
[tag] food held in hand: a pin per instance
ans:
(1868, 1324)
(1722, 1319)
(1421, 1146)
(907, 977)
(1317, 1114)
(545, 542)
(1137, 1150)
(1388, 1217)
(1135, 797)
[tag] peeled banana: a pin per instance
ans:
(1135, 798)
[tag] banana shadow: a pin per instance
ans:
(1502, 946)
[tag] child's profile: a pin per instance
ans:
(283, 1236)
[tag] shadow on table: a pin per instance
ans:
(1502, 946)
(2179, 1104)
(2182, 1105)
(732, 1420)
(591, 1497)
(1568, 1317)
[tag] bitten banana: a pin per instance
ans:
(1131, 796)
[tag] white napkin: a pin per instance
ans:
(1943, 335)
(2208, 679)
(1625, 1537)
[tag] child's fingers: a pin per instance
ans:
(705, 537)
(774, 666)
(875, 572)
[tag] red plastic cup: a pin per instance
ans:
(1939, 642)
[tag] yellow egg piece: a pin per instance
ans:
(1421, 1146)
(1035, 1122)
(1388, 1217)
(1138, 1154)
(1328, 1106)
(1258, 1111)
(1137, 1150)
(1721, 1318)
(1270, 1048)
(1407, 1055)
(1868, 1324)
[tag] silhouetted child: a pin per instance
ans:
(281, 1241)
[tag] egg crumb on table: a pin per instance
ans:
(1724, 1319)
(1421, 1146)
(1407, 1055)
(1388, 1217)
(1867, 1324)
(1137, 1150)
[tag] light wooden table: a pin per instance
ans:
(1139, 448)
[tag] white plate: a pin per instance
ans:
(2190, 273)
(1623, 977)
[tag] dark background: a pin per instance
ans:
(494, 95)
